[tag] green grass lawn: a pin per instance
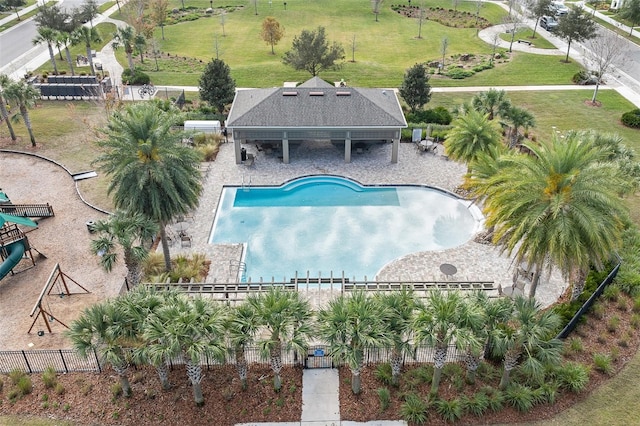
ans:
(526, 33)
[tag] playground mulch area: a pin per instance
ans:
(64, 239)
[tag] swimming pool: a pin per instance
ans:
(324, 224)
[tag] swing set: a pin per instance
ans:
(57, 281)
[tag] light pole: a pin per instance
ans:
(211, 4)
(285, 5)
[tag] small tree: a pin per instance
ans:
(537, 9)
(159, 13)
(216, 85)
(311, 52)
(54, 17)
(444, 45)
(15, 4)
(48, 35)
(272, 32)
(631, 11)
(86, 35)
(576, 26)
(602, 52)
(88, 11)
(416, 90)
(513, 23)
(376, 5)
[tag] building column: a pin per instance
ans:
(285, 149)
(394, 150)
(347, 148)
(236, 148)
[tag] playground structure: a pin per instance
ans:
(14, 246)
(57, 280)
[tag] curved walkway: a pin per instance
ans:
(492, 34)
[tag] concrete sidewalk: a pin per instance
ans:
(321, 403)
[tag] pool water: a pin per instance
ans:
(325, 224)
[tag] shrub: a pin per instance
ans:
(24, 385)
(575, 344)
(612, 293)
(613, 324)
(635, 321)
(629, 281)
(450, 410)
(49, 377)
(598, 310)
(622, 304)
(636, 305)
(116, 389)
(632, 118)
(581, 77)
(136, 77)
(520, 397)
(603, 363)
(548, 392)
(384, 396)
(414, 409)
(15, 375)
(383, 373)
(458, 73)
(438, 115)
(572, 376)
(59, 389)
(476, 404)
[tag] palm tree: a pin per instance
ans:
(350, 324)
(65, 38)
(190, 328)
(48, 35)
(87, 35)
(528, 338)
(559, 206)
(286, 318)
(139, 305)
(400, 307)
(103, 329)
(152, 172)
(437, 324)
(472, 133)
(4, 114)
(25, 96)
(125, 37)
(493, 102)
(241, 330)
(472, 318)
(128, 231)
(518, 117)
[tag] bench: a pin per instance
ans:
(525, 41)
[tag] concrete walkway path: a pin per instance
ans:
(321, 402)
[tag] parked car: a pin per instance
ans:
(558, 8)
(548, 23)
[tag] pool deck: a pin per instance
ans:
(473, 261)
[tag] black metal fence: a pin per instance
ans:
(68, 360)
(573, 323)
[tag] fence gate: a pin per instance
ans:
(317, 358)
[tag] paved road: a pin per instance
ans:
(16, 43)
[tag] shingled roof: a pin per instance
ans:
(315, 103)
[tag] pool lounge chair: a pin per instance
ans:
(250, 160)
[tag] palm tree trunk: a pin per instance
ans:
(534, 283)
(510, 362)
(90, 58)
(396, 366)
(130, 60)
(472, 363)
(356, 380)
(52, 56)
(163, 375)
(5, 117)
(24, 112)
(242, 366)
(124, 380)
(276, 365)
(579, 281)
(194, 373)
(165, 248)
(68, 54)
(134, 269)
(439, 359)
